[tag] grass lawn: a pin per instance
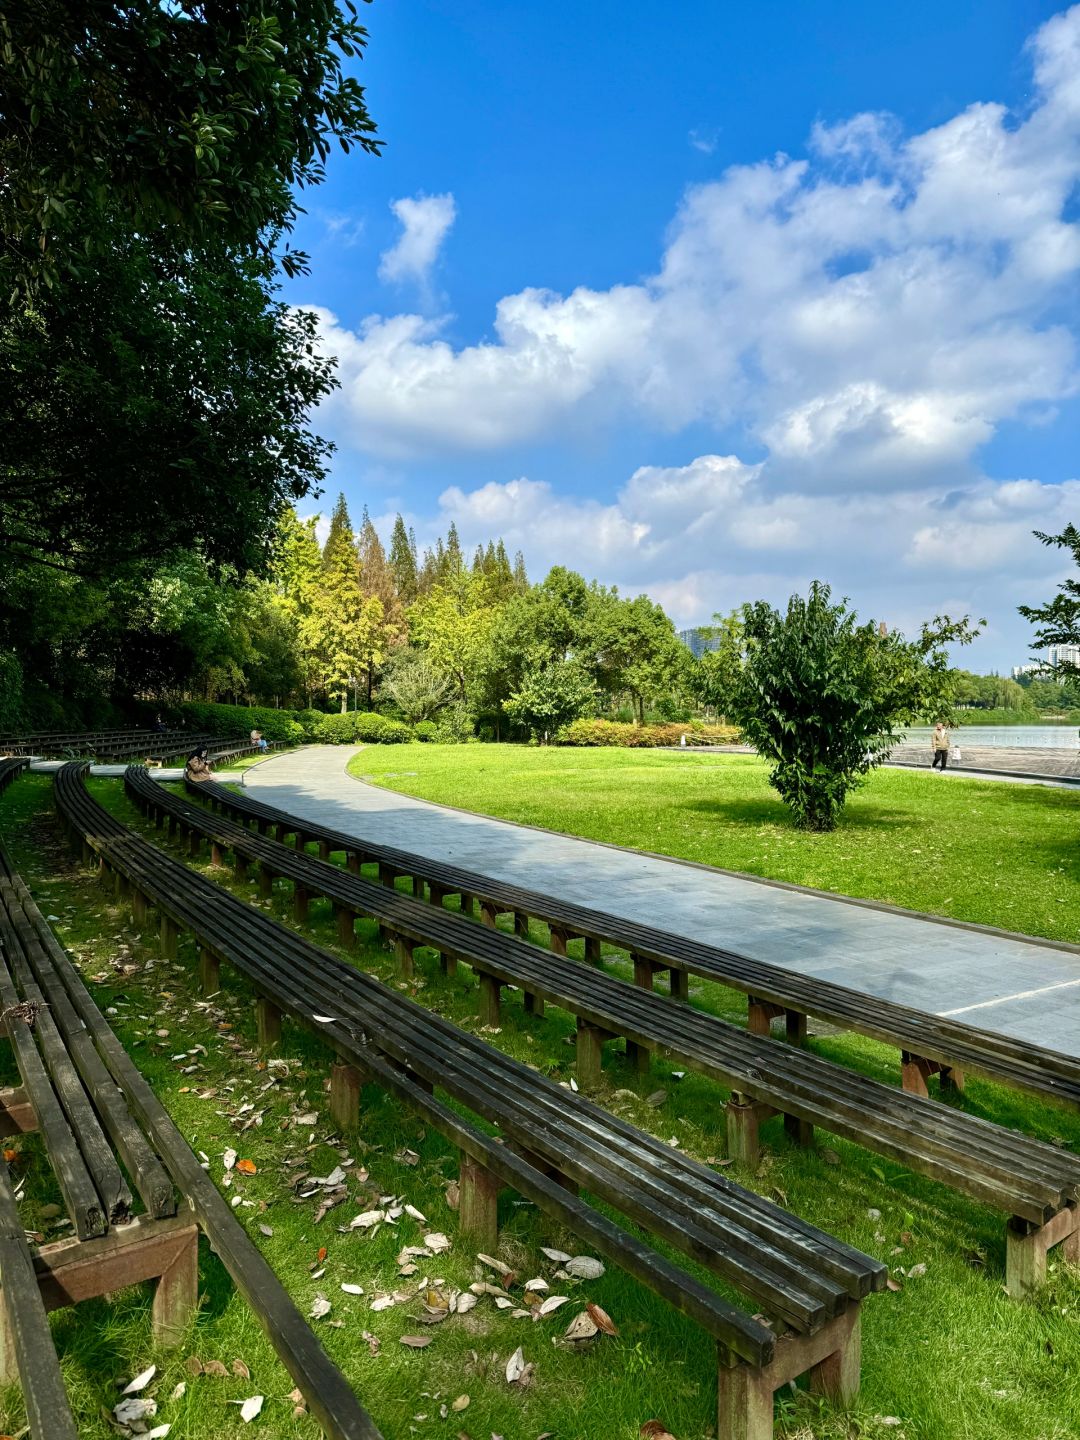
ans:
(984, 851)
(945, 1357)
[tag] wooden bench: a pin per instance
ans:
(78, 1049)
(11, 767)
(929, 1044)
(809, 1284)
(1036, 1185)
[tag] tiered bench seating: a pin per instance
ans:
(929, 1044)
(808, 1284)
(93, 1109)
(1034, 1184)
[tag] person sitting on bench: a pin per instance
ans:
(198, 765)
(257, 739)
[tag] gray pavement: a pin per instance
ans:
(1026, 988)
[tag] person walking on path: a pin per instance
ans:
(939, 742)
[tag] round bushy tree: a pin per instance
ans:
(821, 697)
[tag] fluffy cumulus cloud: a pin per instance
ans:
(425, 224)
(870, 313)
(706, 536)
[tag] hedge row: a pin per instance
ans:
(293, 727)
(614, 732)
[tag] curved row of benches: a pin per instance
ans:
(928, 1043)
(1035, 1184)
(96, 1114)
(807, 1282)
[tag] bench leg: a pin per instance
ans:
(488, 914)
(403, 953)
(266, 883)
(915, 1071)
(300, 904)
(644, 971)
(448, 965)
(217, 854)
(830, 1358)
(346, 927)
(168, 937)
(795, 1025)
(240, 868)
(267, 1023)
(209, 972)
(760, 1014)
(490, 1001)
(176, 1296)
(592, 950)
(324, 849)
(534, 1004)
(744, 1117)
(558, 941)
(478, 1205)
(352, 862)
(138, 907)
(680, 985)
(639, 1056)
(466, 903)
(521, 925)
(590, 1051)
(801, 1132)
(1026, 1250)
(344, 1096)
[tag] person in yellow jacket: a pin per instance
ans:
(939, 743)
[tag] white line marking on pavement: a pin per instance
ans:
(1003, 999)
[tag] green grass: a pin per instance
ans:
(982, 851)
(949, 1354)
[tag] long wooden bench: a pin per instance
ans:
(808, 1283)
(79, 1049)
(11, 767)
(1036, 1185)
(929, 1044)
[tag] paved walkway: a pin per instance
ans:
(1029, 989)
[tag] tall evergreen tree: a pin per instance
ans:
(377, 582)
(454, 561)
(403, 561)
(521, 579)
(340, 536)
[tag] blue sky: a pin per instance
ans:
(712, 305)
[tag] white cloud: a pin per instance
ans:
(704, 141)
(425, 224)
(871, 314)
(709, 535)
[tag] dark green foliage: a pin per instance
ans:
(200, 117)
(364, 727)
(820, 697)
(550, 696)
(1059, 621)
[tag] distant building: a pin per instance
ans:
(1063, 655)
(1033, 669)
(697, 642)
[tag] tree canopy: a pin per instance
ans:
(1058, 621)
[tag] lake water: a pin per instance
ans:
(1040, 737)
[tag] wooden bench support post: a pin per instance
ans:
(16, 1113)
(176, 1295)
(590, 1051)
(168, 937)
(240, 868)
(800, 1132)
(915, 1070)
(558, 940)
(760, 1014)
(352, 862)
(534, 1004)
(386, 876)
(209, 972)
(490, 1001)
(467, 902)
(324, 849)
(679, 984)
(744, 1118)
(267, 1023)
(448, 965)
(194, 842)
(266, 882)
(138, 907)
(301, 897)
(488, 914)
(344, 1096)
(346, 926)
(795, 1026)
(1026, 1248)
(592, 950)
(639, 1056)
(478, 1206)
(831, 1358)
(521, 925)
(403, 950)
(300, 841)
(217, 853)
(644, 971)
(418, 887)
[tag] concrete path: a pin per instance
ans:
(1026, 988)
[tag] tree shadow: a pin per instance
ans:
(774, 812)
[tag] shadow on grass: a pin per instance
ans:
(775, 812)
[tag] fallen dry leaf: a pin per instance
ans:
(582, 1327)
(249, 1408)
(601, 1319)
(416, 1342)
(655, 1430)
(585, 1267)
(140, 1382)
(239, 1368)
(246, 1167)
(461, 1403)
(515, 1366)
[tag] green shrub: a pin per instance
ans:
(375, 729)
(336, 729)
(614, 732)
(236, 722)
(426, 730)
(455, 725)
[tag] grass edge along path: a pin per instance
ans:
(974, 851)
